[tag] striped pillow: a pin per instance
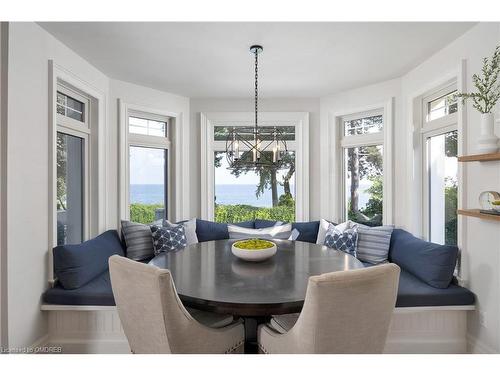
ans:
(138, 239)
(373, 243)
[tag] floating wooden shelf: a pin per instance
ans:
(480, 215)
(480, 157)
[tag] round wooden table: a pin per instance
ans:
(209, 277)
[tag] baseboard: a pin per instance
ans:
(88, 346)
(475, 346)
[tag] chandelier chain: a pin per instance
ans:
(256, 86)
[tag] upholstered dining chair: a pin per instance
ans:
(344, 312)
(154, 319)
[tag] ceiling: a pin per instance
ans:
(212, 59)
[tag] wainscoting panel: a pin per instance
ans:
(427, 331)
(97, 329)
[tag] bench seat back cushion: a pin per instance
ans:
(430, 262)
(76, 265)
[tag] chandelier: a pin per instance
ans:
(255, 147)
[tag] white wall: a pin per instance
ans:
(30, 48)
(348, 102)
(310, 105)
(145, 97)
(3, 182)
(481, 253)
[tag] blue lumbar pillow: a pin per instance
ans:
(76, 265)
(430, 262)
(261, 223)
(306, 231)
(211, 231)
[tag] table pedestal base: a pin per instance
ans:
(251, 324)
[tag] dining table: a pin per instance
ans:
(209, 277)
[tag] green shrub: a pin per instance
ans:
(233, 213)
(143, 213)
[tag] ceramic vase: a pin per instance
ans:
(488, 141)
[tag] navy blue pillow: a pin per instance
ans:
(430, 262)
(261, 223)
(246, 224)
(308, 231)
(210, 231)
(76, 265)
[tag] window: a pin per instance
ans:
(363, 165)
(440, 165)
(241, 195)
(148, 168)
(72, 159)
(70, 107)
(442, 106)
(247, 194)
(147, 127)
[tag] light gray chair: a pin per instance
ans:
(344, 312)
(154, 319)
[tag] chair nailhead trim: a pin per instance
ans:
(234, 347)
(263, 349)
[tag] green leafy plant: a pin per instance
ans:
(488, 87)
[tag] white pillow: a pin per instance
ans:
(280, 232)
(323, 228)
(189, 230)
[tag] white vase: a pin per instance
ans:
(488, 141)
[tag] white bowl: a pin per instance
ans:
(254, 255)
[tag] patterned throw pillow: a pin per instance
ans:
(189, 229)
(168, 239)
(345, 240)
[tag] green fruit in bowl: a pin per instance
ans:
(254, 244)
(495, 203)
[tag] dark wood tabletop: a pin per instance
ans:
(209, 277)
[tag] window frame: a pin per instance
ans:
(83, 130)
(149, 141)
(299, 120)
(429, 129)
(333, 192)
(96, 152)
(359, 140)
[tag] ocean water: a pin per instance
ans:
(224, 194)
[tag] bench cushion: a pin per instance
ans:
(430, 262)
(413, 292)
(76, 265)
(96, 293)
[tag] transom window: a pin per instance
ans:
(442, 106)
(144, 126)
(363, 125)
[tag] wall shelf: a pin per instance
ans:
(478, 214)
(480, 157)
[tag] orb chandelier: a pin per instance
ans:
(255, 147)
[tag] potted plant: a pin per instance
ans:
(485, 99)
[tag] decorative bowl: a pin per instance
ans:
(254, 249)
